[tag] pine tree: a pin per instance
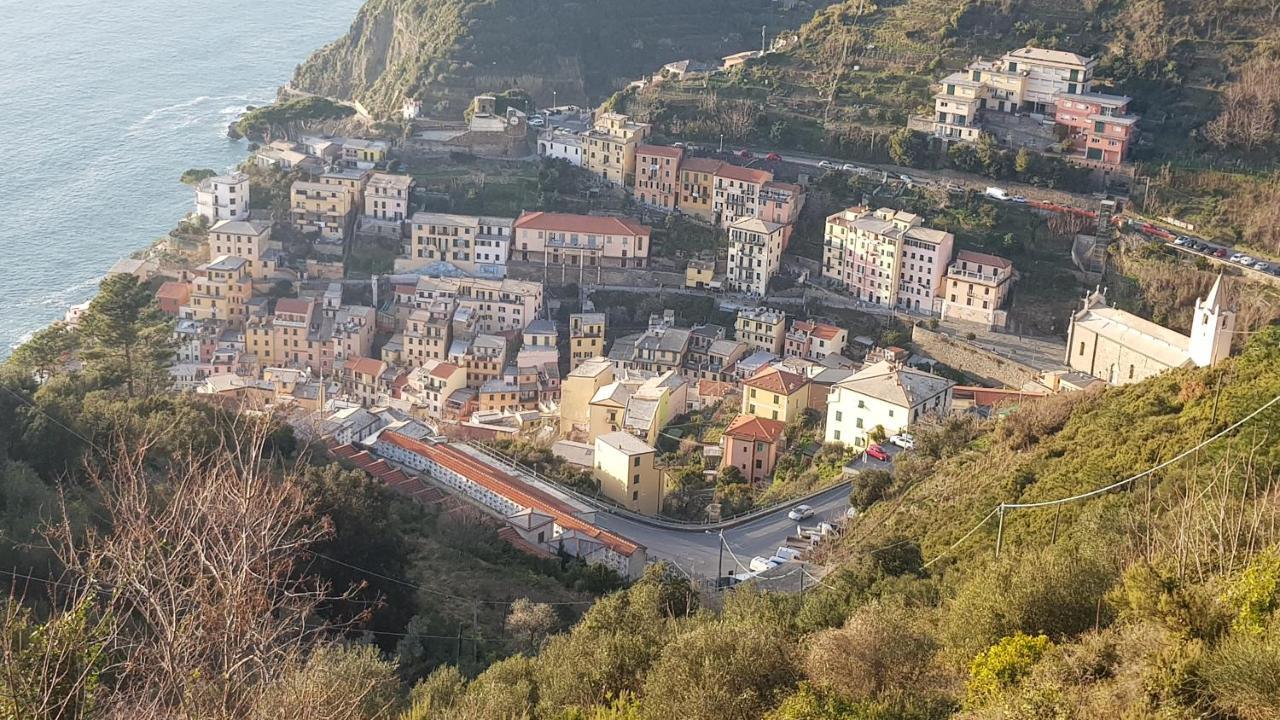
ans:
(126, 337)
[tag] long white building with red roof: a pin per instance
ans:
(541, 515)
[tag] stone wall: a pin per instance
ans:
(972, 359)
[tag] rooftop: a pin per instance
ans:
(742, 174)
(892, 383)
(588, 224)
(659, 150)
(775, 380)
(757, 429)
(625, 442)
(1049, 56)
(241, 227)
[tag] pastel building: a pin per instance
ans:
(887, 257)
(736, 192)
(657, 181)
(477, 245)
(977, 286)
(586, 337)
(610, 147)
(624, 465)
(755, 254)
(248, 239)
(884, 396)
(387, 197)
(753, 445)
(223, 197)
(580, 240)
(1100, 127)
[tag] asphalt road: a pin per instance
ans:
(697, 551)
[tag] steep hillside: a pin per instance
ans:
(445, 51)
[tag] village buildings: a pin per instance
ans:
(887, 257)
(581, 241)
(977, 286)
(755, 254)
(657, 182)
(477, 245)
(609, 148)
(223, 197)
(883, 397)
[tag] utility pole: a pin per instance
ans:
(1000, 531)
(720, 561)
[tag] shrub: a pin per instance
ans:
(882, 651)
(869, 487)
(1243, 676)
(1002, 666)
(1256, 594)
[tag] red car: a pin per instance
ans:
(745, 154)
(773, 157)
(877, 452)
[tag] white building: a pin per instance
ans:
(561, 144)
(755, 254)
(223, 197)
(1121, 348)
(886, 396)
(477, 245)
(386, 197)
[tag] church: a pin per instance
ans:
(1120, 347)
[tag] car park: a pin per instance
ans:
(800, 512)
(878, 453)
(903, 440)
(849, 167)
(1261, 266)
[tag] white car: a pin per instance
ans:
(1247, 261)
(850, 167)
(1018, 199)
(800, 512)
(905, 441)
(828, 165)
(1261, 266)
(536, 121)
(1235, 258)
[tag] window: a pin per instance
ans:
(759, 464)
(862, 404)
(858, 423)
(1130, 372)
(635, 495)
(836, 436)
(635, 479)
(636, 463)
(1081, 349)
(839, 416)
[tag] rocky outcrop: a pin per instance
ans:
(445, 51)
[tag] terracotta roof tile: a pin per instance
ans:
(593, 224)
(659, 150)
(772, 379)
(734, 172)
(750, 427)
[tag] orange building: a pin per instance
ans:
(753, 444)
(658, 176)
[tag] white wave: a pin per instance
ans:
(71, 295)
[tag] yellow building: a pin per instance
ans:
(220, 290)
(471, 243)
(608, 408)
(322, 208)
(248, 239)
(697, 187)
(762, 328)
(429, 332)
(699, 274)
(586, 337)
(775, 394)
(577, 391)
(624, 465)
(610, 147)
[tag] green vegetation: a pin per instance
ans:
(282, 118)
(195, 175)
(443, 52)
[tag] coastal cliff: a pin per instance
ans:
(445, 51)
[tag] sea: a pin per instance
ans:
(103, 104)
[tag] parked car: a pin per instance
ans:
(1018, 198)
(745, 154)
(773, 157)
(1247, 261)
(877, 452)
(1235, 258)
(1182, 241)
(849, 167)
(1261, 266)
(800, 512)
(996, 193)
(904, 440)
(1219, 253)
(828, 165)
(536, 121)
(1203, 247)
(677, 144)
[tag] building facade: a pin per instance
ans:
(609, 148)
(977, 285)
(581, 241)
(624, 465)
(248, 239)
(883, 397)
(762, 328)
(755, 254)
(223, 197)
(886, 257)
(657, 181)
(478, 245)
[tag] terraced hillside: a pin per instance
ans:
(445, 51)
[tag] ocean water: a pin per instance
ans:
(103, 105)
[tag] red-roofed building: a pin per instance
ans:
(521, 503)
(658, 176)
(365, 379)
(753, 444)
(736, 193)
(172, 296)
(580, 240)
(775, 394)
(814, 340)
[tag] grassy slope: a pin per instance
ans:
(1105, 438)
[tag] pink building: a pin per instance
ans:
(781, 203)
(658, 175)
(753, 445)
(1099, 126)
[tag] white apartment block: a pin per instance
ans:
(1024, 80)
(885, 257)
(561, 144)
(885, 396)
(223, 197)
(755, 254)
(474, 244)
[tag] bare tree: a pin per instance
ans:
(202, 561)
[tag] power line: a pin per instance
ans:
(999, 509)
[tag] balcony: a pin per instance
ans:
(986, 277)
